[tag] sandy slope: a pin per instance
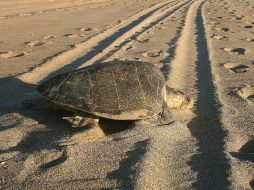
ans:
(204, 48)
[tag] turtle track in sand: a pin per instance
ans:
(210, 163)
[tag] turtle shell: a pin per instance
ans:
(121, 90)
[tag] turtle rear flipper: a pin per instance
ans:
(81, 122)
(86, 129)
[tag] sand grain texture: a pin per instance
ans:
(203, 47)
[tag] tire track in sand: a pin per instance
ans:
(191, 154)
(165, 165)
(210, 163)
(95, 48)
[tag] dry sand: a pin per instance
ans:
(205, 48)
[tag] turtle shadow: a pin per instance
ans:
(43, 136)
(53, 129)
(13, 92)
(49, 127)
(111, 127)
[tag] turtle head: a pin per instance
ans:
(176, 99)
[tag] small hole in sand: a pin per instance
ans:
(11, 54)
(236, 68)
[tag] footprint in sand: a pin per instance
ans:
(158, 27)
(59, 10)
(118, 21)
(224, 29)
(249, 39)
(248, 26)
(143, 40)
(40, 12)
(85, 29)
(236, 51)
(219, 37)
(49, 37)
(11, 54)
(71, 36)
(212, 22)
(149, 32)
(35, 43)
(239, 17)
(82, 35)
(236, 67)
(25, 14)
(246, 152)
(247, 93)
(151, 54)
(128, 47)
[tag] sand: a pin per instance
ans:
(204, 48)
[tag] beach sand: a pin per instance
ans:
(204, 48)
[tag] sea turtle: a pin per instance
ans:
(118, 90)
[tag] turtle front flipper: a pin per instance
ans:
(163, 118)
